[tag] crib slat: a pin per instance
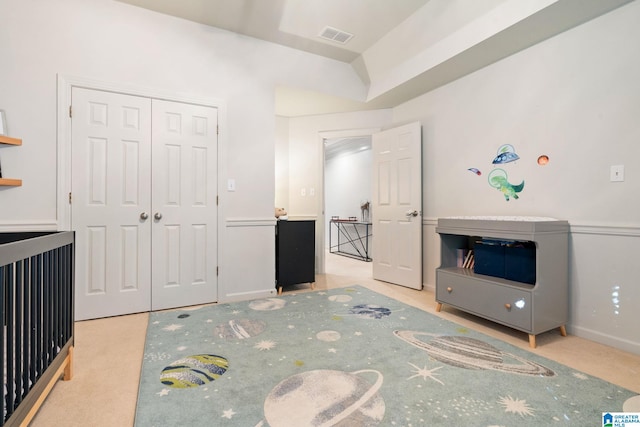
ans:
(3, 282)
(9, 286)
(36, 263)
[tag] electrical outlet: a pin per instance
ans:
(617, 173)
(303, 191)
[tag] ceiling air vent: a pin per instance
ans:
(335, 35)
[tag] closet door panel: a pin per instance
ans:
(184, 201)
(110, 190)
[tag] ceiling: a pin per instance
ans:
(298, 24)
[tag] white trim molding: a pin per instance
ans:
(24, 226)
(250, 222)
(605, 230)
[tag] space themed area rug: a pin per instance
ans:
(351, 357)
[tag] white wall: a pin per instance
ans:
(114, 42)
(347, 185)
(574, 98)
(282, 162)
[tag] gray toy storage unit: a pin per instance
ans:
(519, 276)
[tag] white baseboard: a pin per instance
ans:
(618, 343)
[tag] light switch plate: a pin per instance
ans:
(231, 184)
(617, 173)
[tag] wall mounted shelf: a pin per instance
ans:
(10, 141)
(7, 182)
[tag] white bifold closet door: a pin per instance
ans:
(143, 203)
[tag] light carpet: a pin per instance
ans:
(351, 357)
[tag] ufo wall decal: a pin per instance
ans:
(506, 153)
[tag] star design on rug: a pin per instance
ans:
(425, 373)
(172, 327)
(228, 414)
(332, 350)
(516, 406)
(265, 345)
(357, 333)
(163, 392)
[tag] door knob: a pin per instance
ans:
(412, 213)
(144, 216)
(158, 216)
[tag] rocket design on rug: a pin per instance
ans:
(471, 353)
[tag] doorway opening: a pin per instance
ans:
(347, 172)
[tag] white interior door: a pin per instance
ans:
(111, 191)
(184, 204)
(143, 203)
(397, 205)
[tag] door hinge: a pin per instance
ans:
(217, 200)
(70, 112)
(217, 271)
(69, 197)
(217, 130)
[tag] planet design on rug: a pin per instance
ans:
(326, 398)
(632, 404)
(239, 329)
(194, 371)
(471, 353)
(268, 304)
(340, 298)
(328, 336)
(370, 311)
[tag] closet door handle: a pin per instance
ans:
(144, 216)
(158, 216)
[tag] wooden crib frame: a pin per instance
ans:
(36, 306)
